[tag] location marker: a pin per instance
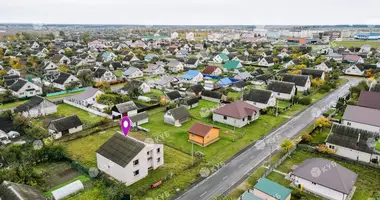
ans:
(125, 125)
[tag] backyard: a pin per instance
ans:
(356, 43)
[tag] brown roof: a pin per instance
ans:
(209, 69)
(369, 99)
(200, 129)
(238, 110)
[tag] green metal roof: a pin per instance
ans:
(232, 64)
(249, 196)
(224, 56)
(272, 188)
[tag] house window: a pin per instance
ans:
(136, 173)
(136, 162)
(158, 150)
(192, 135)
(147, 153)
(348, 123)
(243, 119)
(278, 93)
(158, 160)
(225, 117)
(331, 147)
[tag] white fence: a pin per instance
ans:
(87, 109)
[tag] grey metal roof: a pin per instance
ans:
(258, 95)
(15, 191)
(334, 177)
(126, 107)
(33, 102)
(139, 117)
(120, 149)
(179, 113)
(281, 86)
(130, 71)
(362, 115)
(65, 123)
(299, 80)
(89, 92)
(352, 138)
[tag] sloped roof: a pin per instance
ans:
(65, 123)
(209, 69)
(120, 149)
(212, 94)
(130, 71)
(336, 177)
(281, 86)
(369, 99)
(89, 92)
(200, 129)
(61, 78)
(299, 80)
(173, 95)
(16, 86)
(272, 189)
(352, 138)
(190, 74)
(376, 88)
(99, 72)
(16, 191)
(195, 88)
(258, 95)
(238, 110)
(179, 113)
(362, 115)
(315, 73)
(126, 107)
(139, 117)
(33, 102)
(231, 64)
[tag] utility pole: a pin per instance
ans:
(192, 153)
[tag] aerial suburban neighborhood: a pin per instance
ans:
(227, 112)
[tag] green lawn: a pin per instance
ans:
(154, 93)
(234, 95)
(320, 137)
(177, 137)
(82, 178)
(64, 95)
(356, 43)
(68, 110)
(11, 105)
(368, 183)
(378, 145)
(283, 104)
(118, 73)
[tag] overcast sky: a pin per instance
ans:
(191, 12)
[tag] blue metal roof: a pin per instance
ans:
(190, 74)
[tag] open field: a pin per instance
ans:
(356, 43)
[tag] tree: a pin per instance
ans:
(104, 86)
(61, 34)
(317, 82)
(85, 79)
(50, 36)
(307, 138)
(85, 37)
(3, 73)
(68, 52)
(323, 122)
(72, 85)
(134, 92)
(63, 68)
(287, 145)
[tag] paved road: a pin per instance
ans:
(222, 181)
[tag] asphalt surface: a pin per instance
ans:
(222, 181)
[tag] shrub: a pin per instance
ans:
(306, 138)
(304, 100)
(324, 149)
(287, 145)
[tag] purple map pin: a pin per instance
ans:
(125, 125)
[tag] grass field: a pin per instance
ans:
(320, 137)
(355, 43)
(86, 117)
(368, 182)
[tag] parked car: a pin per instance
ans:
(4, 140)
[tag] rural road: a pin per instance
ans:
(222, 181)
